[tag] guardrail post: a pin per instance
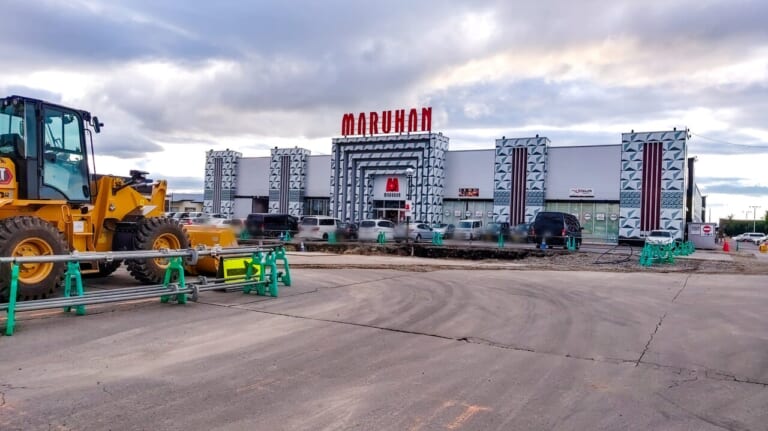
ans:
(10, 322)
(331, 237)
(437, 238)
(176, 265)
(280, 255)
(501, 240)
(255, 263)
(73, 273)
(269, 262)
(381, 238)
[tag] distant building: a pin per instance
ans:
(618, 192)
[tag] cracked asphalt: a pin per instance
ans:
(382, 349)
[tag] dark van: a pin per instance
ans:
(271, 225)
(555, 227)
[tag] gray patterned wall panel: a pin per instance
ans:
(292, 193)
(355, 161)
(674, 148)
(535, 189)
(220, 183)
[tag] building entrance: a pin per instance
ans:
(393, 211)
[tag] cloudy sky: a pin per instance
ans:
(174, 78)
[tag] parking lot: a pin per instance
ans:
(413, 349)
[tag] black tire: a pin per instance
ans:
(107, 268)
(154, 234)
(325, 237)
(29, 236)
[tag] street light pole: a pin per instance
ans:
(754, 216)
(409, 174)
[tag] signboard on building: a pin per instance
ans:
(375, 123)
(390, 187)
(581, 192)
(469, 192)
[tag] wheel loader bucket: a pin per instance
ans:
(209, 236)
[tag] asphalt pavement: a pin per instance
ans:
(381, 349)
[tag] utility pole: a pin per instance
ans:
(754, 215)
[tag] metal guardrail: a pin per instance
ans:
(259, 273)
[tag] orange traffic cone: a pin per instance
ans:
(726, 247)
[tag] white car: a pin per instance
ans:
(469, 229)
(368, 230)
(318, 227)
(753, 237)
(660, 237)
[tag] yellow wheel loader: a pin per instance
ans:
(51, 203)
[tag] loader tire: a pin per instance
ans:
(107, 268)
(155, 234)
(31, 236)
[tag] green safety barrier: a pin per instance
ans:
(501, 241)
(244, 235)
(175, 265)
(655, 253)
(10, 322)
(73, 273)
(331, 237)
(381, 238)
(570, 243)
(262, 269)
(268, 273)
(437, 238)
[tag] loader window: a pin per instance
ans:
(12, 131)
(64, 166)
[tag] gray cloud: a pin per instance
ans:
(300, 65)
(123, 145)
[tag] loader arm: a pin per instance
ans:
(116, 202)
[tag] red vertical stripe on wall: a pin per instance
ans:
(650, 208)
(519, 165)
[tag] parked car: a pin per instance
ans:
(188, 217)
(469, 229)
(494, 229)
(317, 227)
(271, 225)
(347, 231)
(754, 237)
(521, 232)
(445, 229)
(555, 227)
(368, 230)
(660, 237)
(236, 224)
(415, 232)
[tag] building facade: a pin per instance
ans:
(618, 192)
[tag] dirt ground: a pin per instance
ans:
(619, 259)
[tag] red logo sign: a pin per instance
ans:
(5, 175)
(374, 124)
(707, 229)
(393, 185)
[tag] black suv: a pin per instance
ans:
(271, 225)
(555, 227)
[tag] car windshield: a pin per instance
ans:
(465, 225)
(661, 234)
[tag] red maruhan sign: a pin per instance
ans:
(375, 123)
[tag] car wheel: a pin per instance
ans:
(418, 237)
(325, 237)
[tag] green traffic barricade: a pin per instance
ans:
(501, 240)
(437, 238)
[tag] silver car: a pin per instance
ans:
(416, 232)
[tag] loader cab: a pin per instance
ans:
(46, 143)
